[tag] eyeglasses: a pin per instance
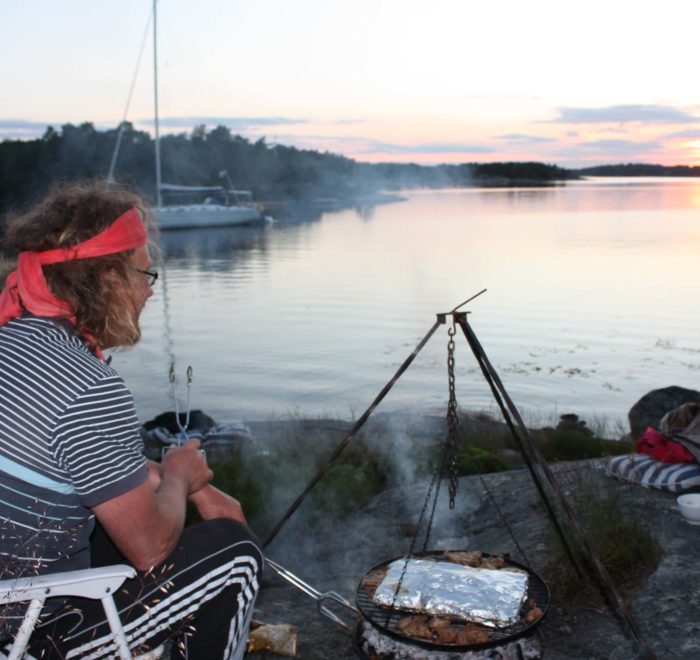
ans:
(151, 276)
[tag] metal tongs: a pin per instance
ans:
(321, 598)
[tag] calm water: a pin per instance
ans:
(592, 301)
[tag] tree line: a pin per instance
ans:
(270, 171)
(640, 169)
(29, 167)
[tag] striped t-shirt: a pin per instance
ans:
(69, 440)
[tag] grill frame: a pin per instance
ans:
(385, 621)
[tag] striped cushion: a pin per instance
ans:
(644, 470)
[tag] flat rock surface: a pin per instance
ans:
(335, 554)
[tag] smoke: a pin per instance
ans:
(338, 547)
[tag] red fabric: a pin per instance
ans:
(662, 448)
(26, 288)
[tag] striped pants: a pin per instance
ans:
(201, 599)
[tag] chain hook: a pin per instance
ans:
(183, 427)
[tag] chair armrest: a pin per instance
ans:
(88, 583)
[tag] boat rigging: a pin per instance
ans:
(187, 206)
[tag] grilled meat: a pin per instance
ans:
(442, 631)
(415, 626)
(373, 579)
(475, 559)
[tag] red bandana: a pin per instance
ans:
(26, 288)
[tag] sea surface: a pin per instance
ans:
(592, 300)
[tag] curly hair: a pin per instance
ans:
(100, 290)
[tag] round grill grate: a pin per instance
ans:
(386, 620)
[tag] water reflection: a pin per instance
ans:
(587, 307)
(212, 242)
(595, 195)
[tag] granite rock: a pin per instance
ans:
(491, 513)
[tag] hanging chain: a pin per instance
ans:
(452, 419)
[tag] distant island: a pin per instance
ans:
(276, 174)
(639, 169)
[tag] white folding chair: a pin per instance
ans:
(94, 583)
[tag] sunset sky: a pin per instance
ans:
(377, 80)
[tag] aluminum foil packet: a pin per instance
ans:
(481, 595)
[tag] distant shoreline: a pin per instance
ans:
(640, 170)
(271, 172)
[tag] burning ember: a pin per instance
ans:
(374, 644)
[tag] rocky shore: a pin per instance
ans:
(334, 555)
(498, 513)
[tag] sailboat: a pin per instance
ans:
(221, 207)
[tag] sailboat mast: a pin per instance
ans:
(159, 201)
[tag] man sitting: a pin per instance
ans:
(75, 488)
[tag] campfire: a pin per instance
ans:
(405, 621)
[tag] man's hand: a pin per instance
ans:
(154, 477)
(146, 522)
(212, 503)
(187, 462)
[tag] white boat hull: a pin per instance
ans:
(190, 216)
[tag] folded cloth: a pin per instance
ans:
(644, 470)
(683, 425)
(662, 448)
